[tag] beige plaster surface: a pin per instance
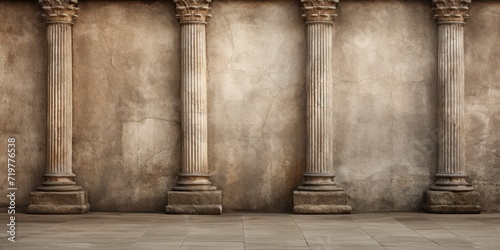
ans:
(127, 139)
(482, 101)
(22, 96)
(385, 106)
(256, 104)
(126, 94)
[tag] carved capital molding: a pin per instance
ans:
(59, 11)
(193, 11)
(319, 10)
(450, 11)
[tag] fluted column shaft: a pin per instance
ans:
(59, 18)
(194, 99)
(319, 84)
(194, 110)
(319, 17)
(192, 15)
(451, 174)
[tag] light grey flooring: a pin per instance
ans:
(254, 231)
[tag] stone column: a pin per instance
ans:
(451, 193)
(319, 193)
(59, 192)
(194, 193)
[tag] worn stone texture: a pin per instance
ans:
(482, 101)
(452, 202)
(23, 74)
(452, 198)
(127, 139)
(321, 202)
(385, 104)
(256, 103)
(126, 94)
(194, 202)
(75, 202)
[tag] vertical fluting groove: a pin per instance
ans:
(59, 99)
(194, 98)
(451, 89)
(319, 81)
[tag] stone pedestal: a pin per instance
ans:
(447, 202)
(59, 192)
(451, 193)
(319, 193)
(194, 192)
(58, 202)
(324, 202)
(195, 202)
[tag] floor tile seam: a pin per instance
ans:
(143, 232)
(443, 228)
(354, 221)
(459, 236)
(242, 218)
(188, 231)
(434, 240)
(300, 230)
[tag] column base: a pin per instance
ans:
(448, 202)
(58, 202)
(194, 182)
(320, 202)
(194, 202)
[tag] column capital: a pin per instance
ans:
(450, 11)
(59, 11)
(319, 10)
(192, 11)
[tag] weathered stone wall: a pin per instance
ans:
(23, 95)
(482, 100)
(126, 95)
(385, 102)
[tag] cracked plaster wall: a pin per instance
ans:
(22, 96)
(126, 124)
(385, 103)
(482, 101)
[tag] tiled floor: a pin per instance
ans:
(254, 231)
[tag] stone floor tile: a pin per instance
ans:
(323, 242)
(212, 248)
(209, 238)
(157, 245)
(332, 240)
(461, 246)
(65, 246)
(422, 226)
(349, 247)
(437, 247)
(275, 248)
(213, 245)
(168, 238)
(255, 231)
(267, 242)
(485, 241)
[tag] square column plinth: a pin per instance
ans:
(320, 202)
(194, 202)
(58, 202)
(447, 202)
